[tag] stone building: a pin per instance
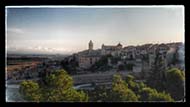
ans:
(143, 57)
(129, 52)
(112, 50)
(161, 50)
(88, 57)
(152, 54)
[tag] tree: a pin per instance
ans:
(70, 95)
(128, 90)
(30, 90)
(175, 83)
(130, 78)
(121, 67)
(101, 64)
(157, 75)
(59, 87)
(129, 66)
(100, 94)
(171, 81)
(70, 65)
(134, 85)
(120, 91)
(146, 93)
(59, 79)
(115, 59)
(149, 94)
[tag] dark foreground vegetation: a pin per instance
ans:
(58, 86)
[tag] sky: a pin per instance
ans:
(68, 30)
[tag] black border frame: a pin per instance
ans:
(89, 3)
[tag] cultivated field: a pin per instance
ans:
(19, 65)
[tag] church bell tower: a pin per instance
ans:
(90, 45)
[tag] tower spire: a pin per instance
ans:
(90, 45)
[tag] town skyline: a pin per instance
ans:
(68, 30)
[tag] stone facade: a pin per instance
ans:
(143, 57)
(112, 50)
(90, 45)
(87, 61)
(129, 52)
(88, 57)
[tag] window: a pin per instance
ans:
(90, 60)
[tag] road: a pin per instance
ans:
(96, 77)
(82, 78)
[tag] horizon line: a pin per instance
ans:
(68, 53)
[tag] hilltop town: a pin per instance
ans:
(130, 58)
(110, 58)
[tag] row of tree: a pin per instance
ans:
(59, 87)
(127, 90)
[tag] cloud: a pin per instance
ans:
(15, 34)
(37, 50)
(15, 30)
